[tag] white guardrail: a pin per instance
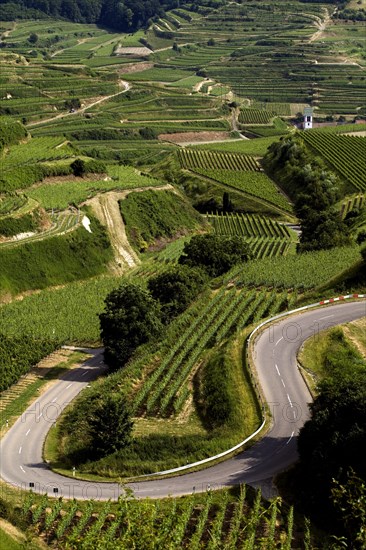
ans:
(258, 327)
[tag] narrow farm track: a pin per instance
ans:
(106, 208)
(275, 352)
(126, 86)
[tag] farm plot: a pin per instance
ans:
(167, 387)
(255, 116)
(264, 236)
(190, 522)
(61, 194)
(354, 202)
(302, 271)
(252, 183)
(192, 159)
(36, 150)
(346, 154)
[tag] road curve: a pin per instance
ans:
(275, 353)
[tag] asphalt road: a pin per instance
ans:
(284, 389)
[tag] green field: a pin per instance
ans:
(231, 79)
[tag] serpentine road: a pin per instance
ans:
(275, 351)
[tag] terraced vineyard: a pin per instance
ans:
(10, 203)
(62, 222)
(252, 183)
(264, 236)
(255, 116)
(346, 154)
(354, 202)
(167, 388)
(191, 159)
(302, 272)
(37, 149)
(210, 521)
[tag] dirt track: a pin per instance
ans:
(106, 209)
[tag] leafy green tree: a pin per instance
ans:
(213, 253)
(78, 167)
(131, 318)
(349, 499)
(33, 38)
(176, 289)
(110, 425)
(333, 440)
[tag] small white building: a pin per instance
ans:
(308, 118)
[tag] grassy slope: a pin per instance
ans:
(149, 216)
(58, 260)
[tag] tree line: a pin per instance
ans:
(314, 189)
(125, 16)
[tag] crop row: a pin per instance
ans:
(302, 271)
(193, 159)
(36, 149)
(248, 225)
(167, 387)
(62, 222)
(11, 202)
(193, 522)
(346, 154)
(255, 116)
(355, 202)
(252, 183)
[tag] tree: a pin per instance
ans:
(349, 500)
(332, 442)
(226, 203)
(176, 289)
(213, 253)
(131, 318)
(33, 38)
(78, 167)
(110, 425)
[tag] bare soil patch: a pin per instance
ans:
(135, 67)
(182, 138)
(133, 51)
(52, 180)
(106, 208)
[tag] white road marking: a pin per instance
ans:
(278, 372)
(40, 416)
(69, 386)
(21, 467)
(27, 432)
(289, 400)
(53, 400)
(84, 373)
(20, 450)
(325, 317)
(288, 441)
(283, 384)
(278, 341)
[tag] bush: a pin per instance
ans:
(131, 318)
(176, 289)
(214, 254)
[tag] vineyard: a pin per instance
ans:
(264, 236)
(346, 154)
(10, 203)
(255, 116)
(255, 184)
(36, 150)
(302, 272)
(211, 521)
(191, 159)
(353, 202)
(62, 222)
(167, 387)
